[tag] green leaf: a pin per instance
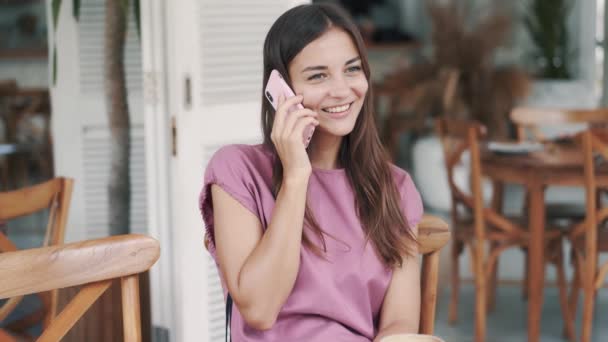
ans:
(137, 16)
(76, 9)
(55, 6)
(54, 64)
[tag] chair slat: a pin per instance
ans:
(28, 200)
(9, 306)
(73, 311)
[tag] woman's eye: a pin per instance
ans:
(355, 68)
(316, 77)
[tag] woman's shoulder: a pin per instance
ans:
(239, 151)
(410, 197)
(235, 154)
(400, 176)
(240, 161)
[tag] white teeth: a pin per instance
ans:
(338, 109)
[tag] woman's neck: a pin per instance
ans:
(323, 152)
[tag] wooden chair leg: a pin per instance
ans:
(563, 296)
(588, 303)
(524, 285)
(130, 308)
(574, 292)
(588, 278)
(492, 287)
(480, 294)
(455, 278)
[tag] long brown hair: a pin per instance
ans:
(361, 154)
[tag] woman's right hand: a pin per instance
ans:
(287, 132)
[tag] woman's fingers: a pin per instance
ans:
(283, 107)
(294, 117)
(300, 126)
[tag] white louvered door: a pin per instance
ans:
(215, 74)
(80, 122)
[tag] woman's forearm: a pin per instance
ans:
(397, 327)
(270, 271)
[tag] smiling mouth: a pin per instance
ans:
(338, 109)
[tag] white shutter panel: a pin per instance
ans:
(95, 134)
(91, 48)
(232, 38)
(96, 150)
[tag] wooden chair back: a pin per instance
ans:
(594, 143)
(91, 264)
(585, 236)
(54, 196)
(487, 224)
(458, 137)
(529, 121)
(433, 234)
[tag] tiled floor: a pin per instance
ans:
(508, 322)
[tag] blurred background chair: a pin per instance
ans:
(91, 264)
(590, 237)
(485, 231)
(51, 198)
(564, 205)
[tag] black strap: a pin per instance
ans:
(228, 316)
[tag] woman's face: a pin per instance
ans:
(329, 74)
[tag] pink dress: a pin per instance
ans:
(335, 300)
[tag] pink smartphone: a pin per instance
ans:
(276, 86)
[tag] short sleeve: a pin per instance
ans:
(229, 169)
(411, 200)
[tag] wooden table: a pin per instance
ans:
(556, 165)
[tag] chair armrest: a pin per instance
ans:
(433, 234)
(43, 269)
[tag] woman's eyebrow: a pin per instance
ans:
(352, 60)
(323, 67)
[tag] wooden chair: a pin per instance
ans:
(529, 123)
(478, 227)
(55, 196)
(433, 234)
(590, 237)
(94, 264)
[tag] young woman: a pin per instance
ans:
(315, 244)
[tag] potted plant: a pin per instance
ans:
(464, 45)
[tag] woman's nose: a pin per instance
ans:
(339, 87)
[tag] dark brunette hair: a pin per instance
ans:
(361, 154)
